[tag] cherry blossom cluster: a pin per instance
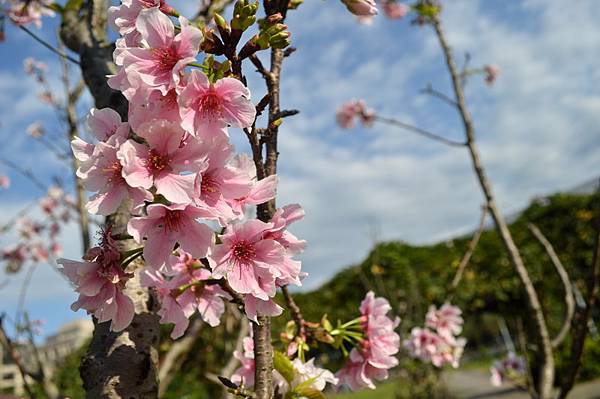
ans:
(38, 238)
(511, 368)
(491, 74)
(438, 342)
(368, 342)
(375, 354)
(173, 166)
(354, 110)
(289, 376)
(24, 12)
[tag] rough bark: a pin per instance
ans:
(546, 374)
(123, 364)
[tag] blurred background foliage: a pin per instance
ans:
(413, 277)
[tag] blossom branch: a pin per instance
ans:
(468, 254)
(419, 131)
(26, 173)
(435, 93)
(48, 45)
(294, 310)
(546, 374)
(564, 277)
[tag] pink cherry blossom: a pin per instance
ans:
(395, 10)
(221, 183)
(101, 171)
(155, 106)
(23, 12)
(100, 281)
(371, 360)
(123, 17)
(207, 108)
(361, 7)
(247, 260)
(14, 256)
(4, 181)
(245, 373)
(35, 130)
(491, 74)
(253, 306)
(306, 371)
(260, 192)
(161, 161)
(429, 346)
(354, 109)
(510, 368)
(166, 225)
(106, 122)
(447, 321)
(159, 65)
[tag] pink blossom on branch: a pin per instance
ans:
(24, 12)
(160, 64)
(447, 320)
(394, 10)
(361, 7)
(161, 162)
(4, 181)
(491, 74)
(123, 17)
(100, 281)
(351, 110)
(166, 225)
(373, 357)
(207, 108)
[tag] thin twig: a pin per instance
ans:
(294, 310)
(468, 254)
(547, 369)
(25, 172)
(564, 277)
(435, 93)
(419, 131)
(48, 45)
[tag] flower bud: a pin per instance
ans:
(361, 7)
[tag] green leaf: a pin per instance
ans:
(309, 393)
(284, 366)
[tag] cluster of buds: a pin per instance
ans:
(352, 110)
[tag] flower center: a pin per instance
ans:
(173, 220)
(114, 172)
(244, 252)
(157, 162)
(211, 103)
(208, 185)
(166, 58)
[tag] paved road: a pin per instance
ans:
(475, 384)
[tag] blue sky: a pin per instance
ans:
(537, 127)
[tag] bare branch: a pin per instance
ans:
(26, 173)
(419, 131)
(547, 370)
(469, 253)
(294, 310)
(435, 93)
(566, 281)
(48, 45)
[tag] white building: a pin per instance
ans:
(69, 338)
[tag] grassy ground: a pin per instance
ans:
(383, 391)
